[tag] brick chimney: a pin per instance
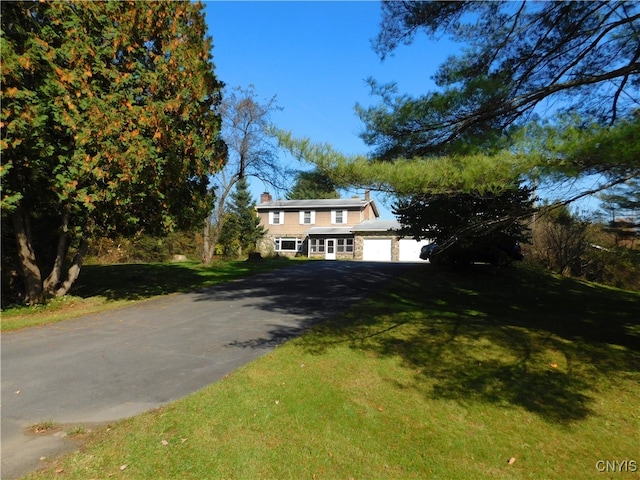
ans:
(265, 197)
(367, 195)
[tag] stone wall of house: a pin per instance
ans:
(395, 249)
(265, 246)
(358, 247)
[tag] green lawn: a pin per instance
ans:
(444, 375)
(103, 287)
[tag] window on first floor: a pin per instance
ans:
(345, 245)
(288, 244)
(316, 245)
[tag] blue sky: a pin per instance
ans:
(315, 57)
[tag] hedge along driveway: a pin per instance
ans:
(117, 364)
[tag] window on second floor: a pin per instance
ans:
(276, 217)
(339, 216)
(307, 217)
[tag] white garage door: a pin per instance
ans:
(410, 249)
(376, 250)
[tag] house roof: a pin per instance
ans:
(319, 203)
(329, 230)
(376, 226)
(366, 226)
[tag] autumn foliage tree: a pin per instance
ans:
(109, 126)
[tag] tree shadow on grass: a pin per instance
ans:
(134, 281)
(511, 337)
(483, 363)
(145, 280)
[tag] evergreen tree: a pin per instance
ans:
(468, 222)
(517, 55)
(242, 226)
(623, 203)
(109, 126)
(313, 185)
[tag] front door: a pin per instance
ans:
(330, 249)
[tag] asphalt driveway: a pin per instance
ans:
(105, 367)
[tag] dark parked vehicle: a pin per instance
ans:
(428, 250)
(455, 253)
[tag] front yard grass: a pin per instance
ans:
(105, 287)
(509, 374)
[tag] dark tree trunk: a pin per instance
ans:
(31, 274)
(208, 247)
(212, 235)
(74, 269)
(51, 282)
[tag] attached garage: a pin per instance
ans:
(376, 250)
(409, 249)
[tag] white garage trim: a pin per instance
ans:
(376, 250)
